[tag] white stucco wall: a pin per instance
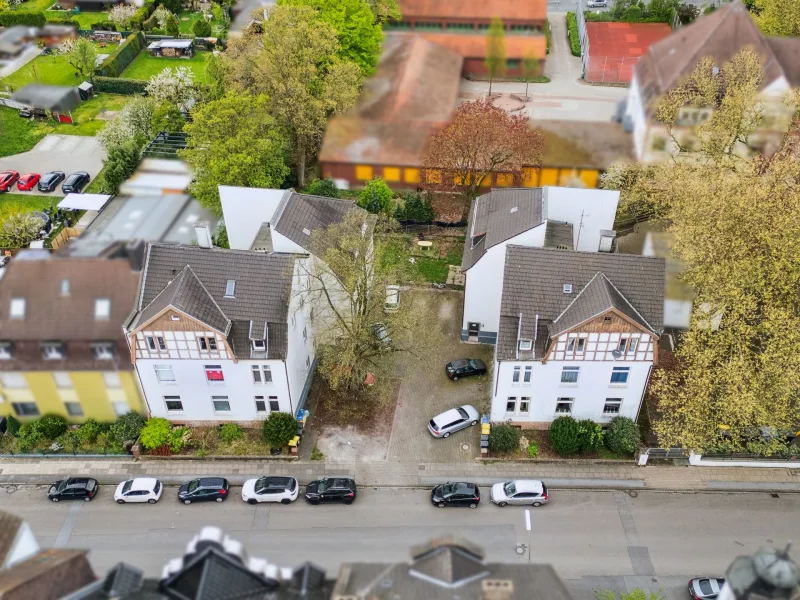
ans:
(300, 352)
(22, 548)
(244, 210)
(589, 211)
(634, 110)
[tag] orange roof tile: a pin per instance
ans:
(474, 46)
(511, 10)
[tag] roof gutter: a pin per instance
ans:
(535, 331)
(519, 332)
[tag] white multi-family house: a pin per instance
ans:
(578, 335)
(551, 217)
(669, 62)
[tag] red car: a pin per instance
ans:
(7, 179)
(27, 181)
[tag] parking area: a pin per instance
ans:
(425, 391)
(67, 153)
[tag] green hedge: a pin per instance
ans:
(143, 14)
(123, 56)
(607, 17)
(21, 17)
(119, 85)
(547, 34)
(574, 37)
(62, 21)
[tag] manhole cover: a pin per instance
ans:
(465, 446)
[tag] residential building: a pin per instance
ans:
(678, 296)
(578, 335)
(13, 40)
(414, 92)
(17, 542)
(220, 335)
(669, 62)
(462, 27)
(552, 217)
(61, 345)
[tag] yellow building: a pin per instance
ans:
(61, 345)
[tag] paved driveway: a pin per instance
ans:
(68, 153)
(426, 391)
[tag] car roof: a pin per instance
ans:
(460, 362)
(274, 481)
(211, 481)
(341, 482)
(143, 483)
(528, 485)
(447, 416)
(462, 486)
(478, 362)
(77, 481)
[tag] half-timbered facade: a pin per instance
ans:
(578, 335)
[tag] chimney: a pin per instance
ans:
(607, 237)
(497, 589)
(203, 232)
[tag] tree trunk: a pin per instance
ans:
(301, 164)
(490, 87)
(526, 89)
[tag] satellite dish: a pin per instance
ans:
(616, 353)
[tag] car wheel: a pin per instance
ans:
(151, 501)
(219, 499)
(447, 434)
(314, 502)
(473, 423)
(54, 499)
(502, 504)
(348, 501)
(537, 504)
(473, 505)
(88, 499)
(252, 501)
(286, 501)
(120, 501)
(442, 505)
(455, 378)
(187, 502)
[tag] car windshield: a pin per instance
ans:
(62, 485)
(472, 364)
(127, 486)
(705, 586)
(462, 413)
(447, 489)
(193, 485)
(323, 485)
(509, 488)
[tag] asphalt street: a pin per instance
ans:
(594, 539)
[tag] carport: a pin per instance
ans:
(58, 100)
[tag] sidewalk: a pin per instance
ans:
(557, 475)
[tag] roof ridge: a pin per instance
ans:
(619, 255)
(628, 302)
(192, 247)
(575, 299)
(205, 289)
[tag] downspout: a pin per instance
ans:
(288, 387)
(535, 331)
(141, 387)
(519, 332)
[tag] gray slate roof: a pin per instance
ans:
(297, 214)
(534, 281)
(558, 235)
(262, 291)
(500, 215)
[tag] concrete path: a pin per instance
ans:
(15, 65)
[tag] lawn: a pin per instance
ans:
(20, 135)
(429, 266)
(36, 5)
(11, 204)
(145, 66)
(187, 20)
(52, 69)
(85, 19)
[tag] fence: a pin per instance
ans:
(583, 37)
(665, 453)
(63, 237)
(608, 69)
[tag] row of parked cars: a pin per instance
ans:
(74, 184)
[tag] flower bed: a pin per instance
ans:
(546, 453)
(161, 440)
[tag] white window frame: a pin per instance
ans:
(118, 405)
(17, 308)
(209, 341)
(511, 400)
(274, 399)
(6, 350)
(524, 400)
(151, 343)
(14, 381)
(103, 350)
(633, 344)
(625, 370)
(162, 345)
(581, 345)
(173, 399)
(528, 375)
(158, 368)
(610, 403)
(515, 375)
(569, 401)
(576, 345)
(47, 348)
(102, 309)
(259, 345)
(36, 412)
(525, 345)
(226, 399)
(263, 400)
(570, 369)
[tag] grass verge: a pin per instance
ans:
(145, 66)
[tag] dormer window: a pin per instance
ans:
(17, 308)
(525, 345)
(6, 350)
(53, 350)
(260, 345)
(65, 287)
(103, 351)
(102, 309)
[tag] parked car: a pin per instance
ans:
(75, 183)
(27, 112)
(329, 491)
(441, 426)
(464, 368)
(141, 489)
(203, 490)
(705, 588)
(74, 488)
(459, 493)
(7, 179)
(49, 181)
(27, 181)
(270, 489)
(519, 492)
(597, 4)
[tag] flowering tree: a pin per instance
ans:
(81, 54)
(20, 229)
(481, 139)
(175, 86)
(122, 14)
(134, 122)
(161, 15)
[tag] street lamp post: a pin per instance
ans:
(528, 527)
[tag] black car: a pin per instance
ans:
(327, 491)
(75, 183)
(49, 181)
(74, 488)
(465, 367)
(459, 493)
(204, 489)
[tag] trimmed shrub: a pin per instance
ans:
(126, 428)
(322, 187)
(230, 432)
(414, 208)
(20, 17)
(565, 436)
(62, 21)
(104, 26)
(590, 436)
(504, 438)
(173, 26)
(279, 429)
(155, 433)
(634, 13)
(376, 197)
(119, 85)
(30, 434)
(574, 37)
(201, 28)
(52, 426)
(122, 56)
(143, 14)
(88, 432)
(12, 425)
(622, 436)
(178, 438)
(150, 23)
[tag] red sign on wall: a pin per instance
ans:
(214, 375)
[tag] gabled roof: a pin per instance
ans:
(512, 10)
(499, 216)
(597, 297)
(533, 286)
(187, 294)
(298, 215)
(449, 566)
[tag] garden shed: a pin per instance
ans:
(58, 100)
(172, 48)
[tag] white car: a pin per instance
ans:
(141, 489)
(597, 4)
(270, 489)
(519, 492)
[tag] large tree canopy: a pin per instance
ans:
(778, 17)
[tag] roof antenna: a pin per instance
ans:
(580, 226)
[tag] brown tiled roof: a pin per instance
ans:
(473, 45)
(298, 215)
(49, 315)
(9, 526)
(530, 10)
(719, 36)
(415, 87)
(787, 51)
(49, 575)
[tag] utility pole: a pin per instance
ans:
(528, 527)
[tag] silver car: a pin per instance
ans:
(441, 426)
(519, 492)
